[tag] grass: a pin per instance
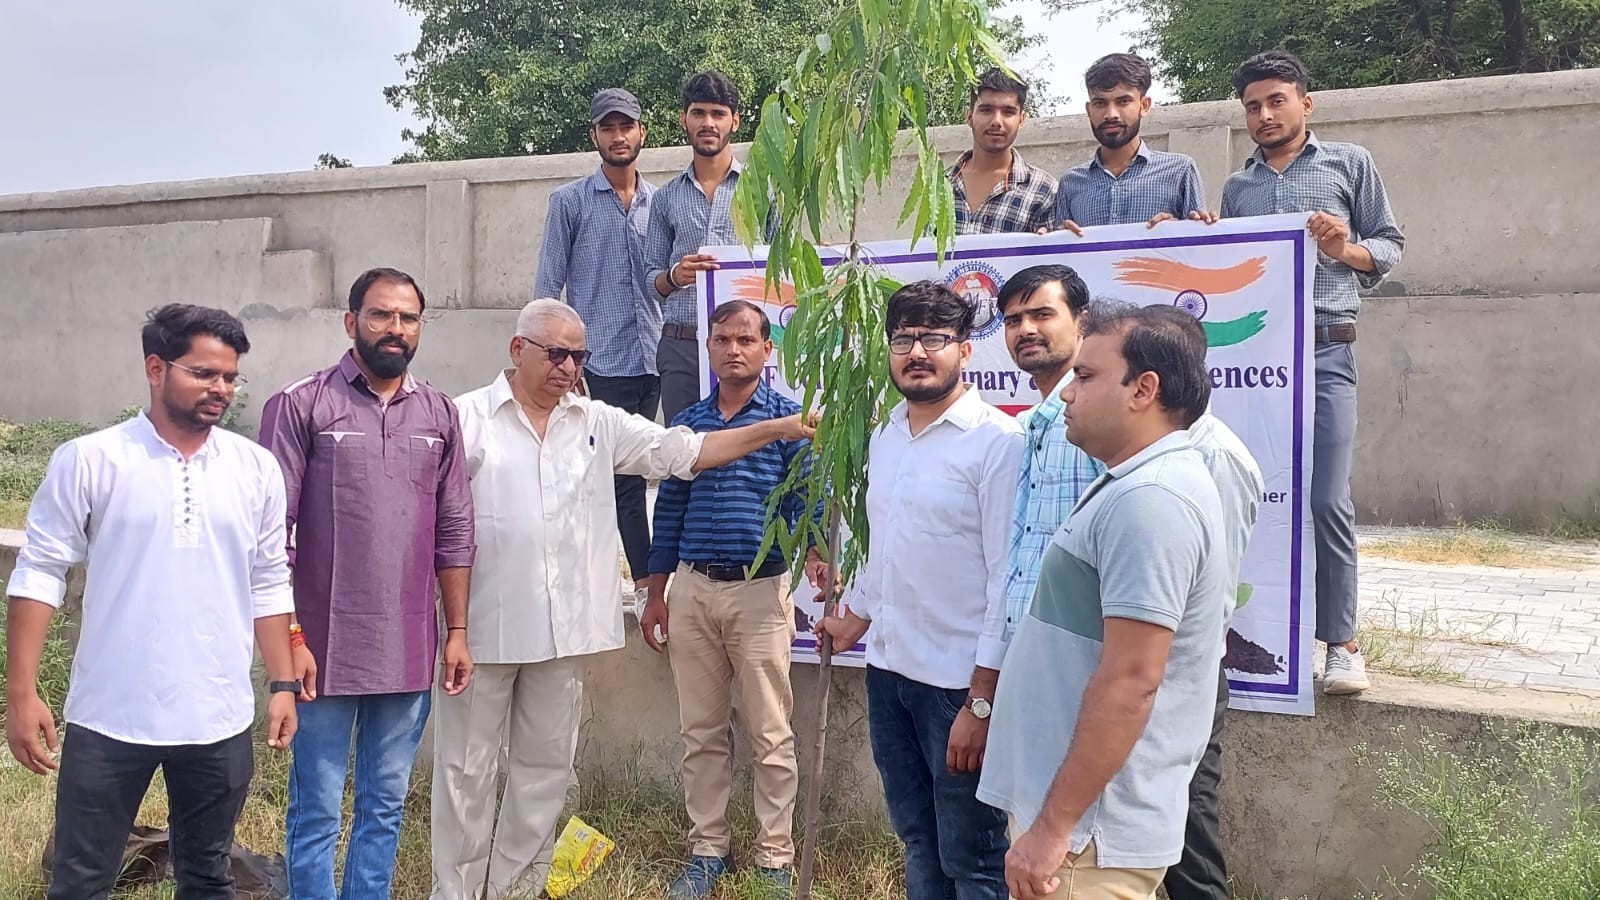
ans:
(1421, 644)
(1485, 544)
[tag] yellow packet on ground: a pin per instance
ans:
(578, 853)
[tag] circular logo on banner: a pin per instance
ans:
(979, 283)
(1193, 303)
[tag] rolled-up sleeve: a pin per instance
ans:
(270, 591)
(454, 541)
(646, 449)
(1373, 223)
(57, 530)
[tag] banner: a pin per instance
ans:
(1249, 283)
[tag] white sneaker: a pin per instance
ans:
(1346, 672)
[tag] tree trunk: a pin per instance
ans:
(808, 849)
(1516, 36)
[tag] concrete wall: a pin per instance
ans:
(1477, 370)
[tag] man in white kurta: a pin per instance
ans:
(545, 594)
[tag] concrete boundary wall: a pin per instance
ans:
(1477, 401)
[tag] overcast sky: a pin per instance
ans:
(117, 92)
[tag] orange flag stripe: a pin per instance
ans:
(1167, 274)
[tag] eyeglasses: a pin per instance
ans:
(559, 355)
(210, 376)
(931, 341)
(378, 320)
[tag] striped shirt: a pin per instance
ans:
(1335, 178)
(595, 250)
(1155, 182)
(1054, 474)
(721, 516)
(682, 220)
(1023, 202)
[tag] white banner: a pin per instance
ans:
(1249, 283)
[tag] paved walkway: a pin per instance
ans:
(1533, 627)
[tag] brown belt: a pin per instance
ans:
(1336, 334)
(681, 332)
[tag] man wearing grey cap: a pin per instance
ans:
(594, 249)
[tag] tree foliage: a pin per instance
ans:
(1357, 43)
(509, 77)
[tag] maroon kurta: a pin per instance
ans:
(378, 501)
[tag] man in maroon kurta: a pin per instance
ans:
(379, 512)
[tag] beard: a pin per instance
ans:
(192, 417)
(1047, 361)
(1130, 130)
(384, 364)
(619, 160)
(712, 151)
(1286, 135)
(928, 393)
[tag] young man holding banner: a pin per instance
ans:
(995, 190)
(933, 594)
(1358, 243)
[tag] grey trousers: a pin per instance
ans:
(678, 361)
(1332, 511)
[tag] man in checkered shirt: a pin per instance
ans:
(1358, 243)
(996, 192)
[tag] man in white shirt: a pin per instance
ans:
(544, 594)
(942, 480)
(184, 524)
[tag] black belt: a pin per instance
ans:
(681, 332)
(721, 572)
(1336, 334)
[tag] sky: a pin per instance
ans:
(105, 92)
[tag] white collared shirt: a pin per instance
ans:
(939, 505)
(183, 556)
(547, 582)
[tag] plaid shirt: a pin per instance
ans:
(595, 250)
(1054, 474)
(1155, 182)
(1024, 202)
(1335, 178)
(682, 221)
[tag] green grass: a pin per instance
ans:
(1479, 544)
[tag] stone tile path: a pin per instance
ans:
(1532, 627)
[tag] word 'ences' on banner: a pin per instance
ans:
(1248, 281)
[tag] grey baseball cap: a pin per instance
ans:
(614, 100)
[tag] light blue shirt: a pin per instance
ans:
(594, 249)
(682, 220)
(1155, 182)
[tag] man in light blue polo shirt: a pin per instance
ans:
(1125, 635)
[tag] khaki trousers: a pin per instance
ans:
(1083, 879)
(727, 640)
(522, 720)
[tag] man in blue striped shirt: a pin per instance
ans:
(1358, 243)
(1126, 181)
(594, 249)
(730, 628)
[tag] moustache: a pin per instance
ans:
(919, 367)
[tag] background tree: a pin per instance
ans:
(510, 77)
(1356, 43)
(329, 161)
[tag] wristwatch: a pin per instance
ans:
(283, 687)
(980, 707)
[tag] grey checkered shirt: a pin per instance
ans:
(1338, 179)
(1155, 182)
(1024, 202)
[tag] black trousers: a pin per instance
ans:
(101, 784)
(640, 395)
(1202, 874)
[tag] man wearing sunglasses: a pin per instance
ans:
(379, 513)
(934, 596)
(545, 592)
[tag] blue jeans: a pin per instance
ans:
(955, 844)
(386, 729)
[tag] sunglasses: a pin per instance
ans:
(559, 355)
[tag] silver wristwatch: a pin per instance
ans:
(980, 707)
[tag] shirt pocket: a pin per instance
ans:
(425, 452)
(345, 452)
(944, 506)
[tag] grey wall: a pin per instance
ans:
(1476, 399)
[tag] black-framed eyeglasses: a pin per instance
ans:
(559, 355)
(210, 376)
(931, 341)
